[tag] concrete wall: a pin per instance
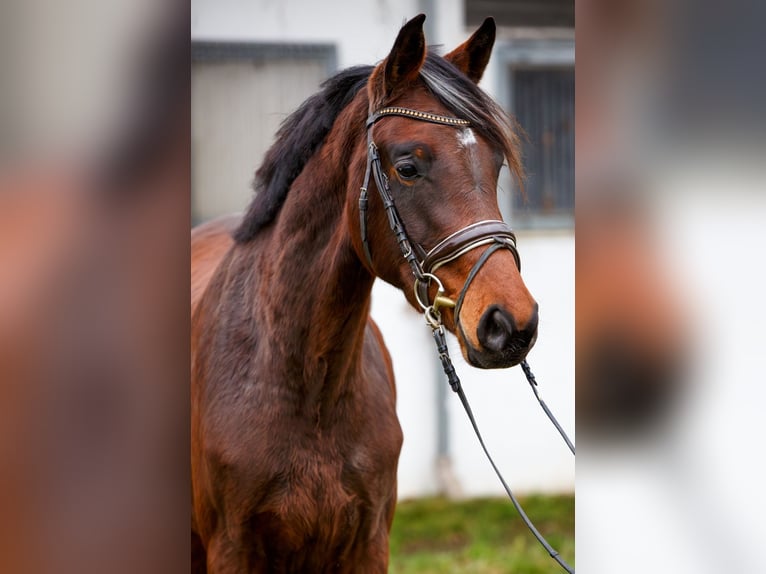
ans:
(361, 30)
(525, 445)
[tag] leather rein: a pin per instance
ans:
(492, 234)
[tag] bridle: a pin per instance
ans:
(496, 234)
(492, 234)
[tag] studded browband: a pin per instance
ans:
(417, 115)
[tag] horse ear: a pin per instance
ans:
(471, 57)
(403, 63)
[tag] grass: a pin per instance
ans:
(480, 536)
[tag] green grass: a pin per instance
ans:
(480, 536)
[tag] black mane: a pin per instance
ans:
(298, 138)
(304, 131)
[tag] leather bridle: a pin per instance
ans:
(493, 234)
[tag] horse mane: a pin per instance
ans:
(298, 138)
(304, 131)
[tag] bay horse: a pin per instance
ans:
(295, 438)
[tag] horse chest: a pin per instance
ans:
(322, 507)
(321, 474)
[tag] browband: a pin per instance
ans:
(417, 115)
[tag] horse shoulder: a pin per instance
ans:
(209, 243)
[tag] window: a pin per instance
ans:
(536, 84)
(241, 93)
(522, 13)
(543, 103)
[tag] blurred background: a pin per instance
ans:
(94, 286)
(670, 231)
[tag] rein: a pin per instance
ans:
(495, 235)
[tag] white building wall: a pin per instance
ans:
(361, 30)
(525, 445)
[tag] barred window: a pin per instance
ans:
(543, 103)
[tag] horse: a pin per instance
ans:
(295, 438)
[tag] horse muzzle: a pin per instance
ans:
(502, 342)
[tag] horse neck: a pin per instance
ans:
(314, 293)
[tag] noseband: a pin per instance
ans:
(491, 233)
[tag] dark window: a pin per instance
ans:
(543, 103)
(522, 13)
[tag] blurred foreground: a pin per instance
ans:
(671, 136)
(94, 252)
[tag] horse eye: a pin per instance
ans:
(407, 171)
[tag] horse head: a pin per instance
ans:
(435, 146)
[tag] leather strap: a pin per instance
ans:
(374, 168)
(469, 279)
(455, 245)
(417, 115)
(493, 233)
(470, 237)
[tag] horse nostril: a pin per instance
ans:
(497, 331)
